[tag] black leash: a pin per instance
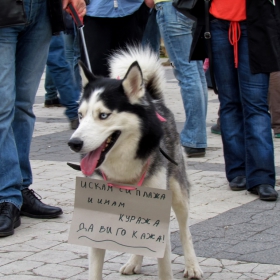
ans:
(167, 156)
(74, 166)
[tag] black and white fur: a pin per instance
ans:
(128, 102)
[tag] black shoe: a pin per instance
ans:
(9, 218)
(74, 124)
(216, 129)
(33, 207)
(195, 152)
(265, 192)
(53, 103)
(238, 183)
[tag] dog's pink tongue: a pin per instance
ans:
(89, 162)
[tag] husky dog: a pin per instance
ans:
(125, 128)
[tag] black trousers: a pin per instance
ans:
(104, 35)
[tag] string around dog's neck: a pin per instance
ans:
(139, 184)
(162, 119)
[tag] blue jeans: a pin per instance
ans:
(23, 55)
(73, 55)
(59, 76)
(176, 32)
(151, 36)
(245, 120)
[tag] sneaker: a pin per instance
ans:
(53, 103)
(74, 124)
(195, 152)
(9, 218)
(216, 129)
(277, 135)
(33, 207)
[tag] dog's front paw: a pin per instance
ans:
(133, 266)
(193, 271)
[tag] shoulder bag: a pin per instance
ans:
(185, 6)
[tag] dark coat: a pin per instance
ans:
(263, 28)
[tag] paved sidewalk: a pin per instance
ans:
(236, 236)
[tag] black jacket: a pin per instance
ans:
(263, 28)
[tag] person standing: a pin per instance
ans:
(176, 32)
(23, 55)
(245, 41)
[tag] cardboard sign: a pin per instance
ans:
(131, 221)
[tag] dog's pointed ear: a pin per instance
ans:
(133, 83)
(86, 75)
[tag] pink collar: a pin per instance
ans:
(139, 184)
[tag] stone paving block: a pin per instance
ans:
(53, 256)
(114, 276)
(275, 277)
(20, 266)
(15, 255)
(269, 256)
(27, 277)
(266, 268)
(58, 270)
(79, 262)
(4, 261)
(224, 275)
(211, 262)
(211, 269)
(80, 276)
(80, 250)
(112, 266)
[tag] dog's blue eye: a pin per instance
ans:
(80, 116)
(103, 116)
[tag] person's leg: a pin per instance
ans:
(176, 31)
(51, 91)
(216, 128)
(62, 77)
(20, 76)
(98, 36)
(71, 44)
(151, 36)
(129, 30)
(208, 78)
(51, 95)
(10, 173)
(274, 102)
(259, 149)
(231, 111)
(29, 69)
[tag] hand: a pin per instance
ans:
(79, 5)
(150, 3)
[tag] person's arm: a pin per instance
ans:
(79, 5)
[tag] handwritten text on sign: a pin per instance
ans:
(131, 221)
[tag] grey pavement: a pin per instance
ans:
(235, 235)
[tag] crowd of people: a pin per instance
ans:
(247, 83)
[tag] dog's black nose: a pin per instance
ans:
(76, 144)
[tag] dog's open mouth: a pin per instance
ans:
(95, 158)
